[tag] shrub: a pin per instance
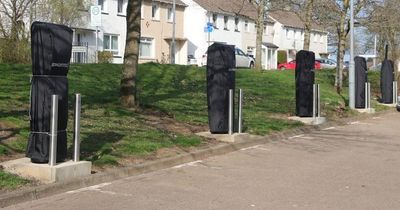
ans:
(282, 56)
(105, 57)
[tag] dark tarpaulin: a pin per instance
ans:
(387, 78)
(305, 64)
(361, 78)
(220, 78)
(51, 54)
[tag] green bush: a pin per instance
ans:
(105, 57)
(282, 56)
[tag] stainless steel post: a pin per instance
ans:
(314, 101)
(366, 95)
(240, 111)
(318, 101)
(77, 127)
(230, 123)
(369, 95)
(394, 92)
(53, 131)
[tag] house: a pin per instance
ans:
(156, 32)
(233, 23)
(288, 34)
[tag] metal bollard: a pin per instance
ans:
(77, 128)
(53, 131)
(230, 124)
(366, 96)
(240, 111)
(318, 102)
(314, 101)
(394, 92)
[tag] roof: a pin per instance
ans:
(291, 19)
(270, 45)
(230, 7)
(177, 2)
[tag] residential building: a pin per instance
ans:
(289, 35)
(156, 32)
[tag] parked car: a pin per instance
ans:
(243, 60)
(192, 60)
(292, 65)
(327, 63)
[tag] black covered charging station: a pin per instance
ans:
(305, 77)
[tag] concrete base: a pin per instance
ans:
(388, 105)
(309, 120)
(368, 111)
(224, 137)
(45, 173)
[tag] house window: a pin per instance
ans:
(146, 47)
(155, 11)
(110, 43)
(120, 6)
(226, 22)
(246, 26)
(170, 14)
(236, 24)
(102, 4)
(214, 20)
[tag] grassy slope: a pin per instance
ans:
(110, 132)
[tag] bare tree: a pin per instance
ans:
(261, 14)
(66, 12)
(131, 58)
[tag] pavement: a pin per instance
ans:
(355, 166)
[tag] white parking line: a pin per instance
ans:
(330, 128)
(91, 188)
(188, 164)
(298, 136)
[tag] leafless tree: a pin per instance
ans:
(131, 58)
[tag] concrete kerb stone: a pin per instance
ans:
(42, 191)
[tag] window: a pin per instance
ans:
(170, 14)
(110, 43)
(146, 47)
(214, 20)
(226, 22)
(103, 4)
(120, 6)
(236, 24)
(155, 11)
(246, 26)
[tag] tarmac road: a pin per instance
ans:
(356, 166)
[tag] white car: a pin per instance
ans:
(326, 63)
(242, 59)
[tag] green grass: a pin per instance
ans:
(110, 132)
(9, 181)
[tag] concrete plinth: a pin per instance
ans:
(224, 137)
(45, 173)
(388, 105)
(309, 120)
(368, 111)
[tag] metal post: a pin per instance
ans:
(230, 124)
(318, 101)
(77, 128)
(369, 95)
(366, 95)
(173, 32)
(314, 101)
(240, 111)
(53, 131)
(97, 44)
(351, 67)
(394, 92)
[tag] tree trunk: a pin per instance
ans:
(260, 33)
(307, 24)
(131, 58)
(341, 50)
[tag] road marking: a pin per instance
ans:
(353, 123)
(259, 147)
(188, 164)
(298, 136)
(375, 118)
(91, 188)
(330, 128)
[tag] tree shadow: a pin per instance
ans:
(97, 144)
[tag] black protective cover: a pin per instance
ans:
(361, 78)
(51, 54)
(305, 76)
(220, 78)
(387, 78)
